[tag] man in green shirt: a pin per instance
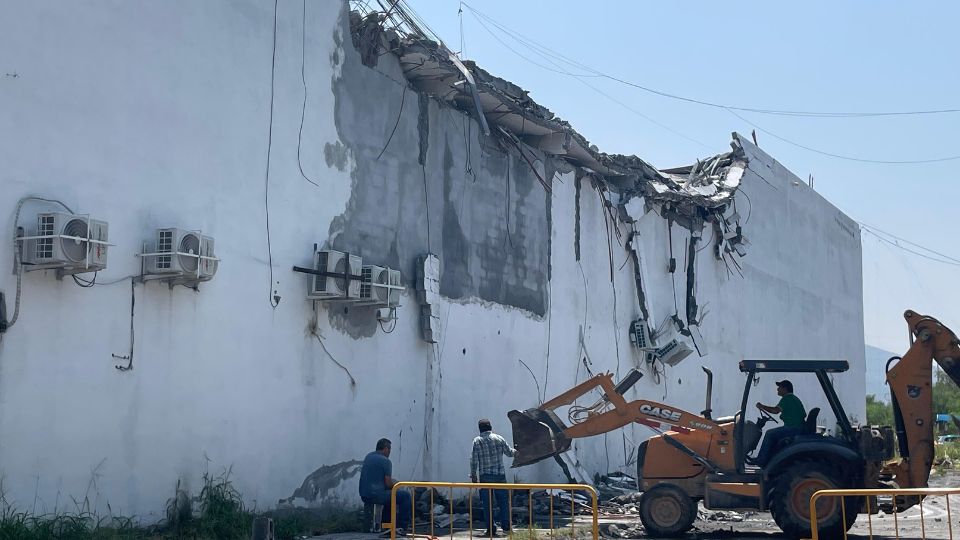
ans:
(792, 414)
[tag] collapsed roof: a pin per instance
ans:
(504, 109)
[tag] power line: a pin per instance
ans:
(546, 53)
(521, 55)
(840, 156)
(862, 224)
(908, 250)
(896, 242)
(781, 112)
(579, 79)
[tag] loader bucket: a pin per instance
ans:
(537, 435)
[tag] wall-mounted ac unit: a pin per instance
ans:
(673, 352)
(73, 243)
(335, 286)
(640, 334)
(379, 287)
(182, 253)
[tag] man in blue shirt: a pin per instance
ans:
(376, 481)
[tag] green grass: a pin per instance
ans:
(22, 526)
(217, 513)
(545, 534)
(950, 451)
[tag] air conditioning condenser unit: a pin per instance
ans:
(342, 279)
(380, 286)
(73, 243)
(182, 253)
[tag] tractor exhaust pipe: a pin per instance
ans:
(708, 410)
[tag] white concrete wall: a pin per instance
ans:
(157, 114)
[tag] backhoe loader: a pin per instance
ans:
(701, 458)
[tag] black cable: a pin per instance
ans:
(133, 305)
(266, 187)
(403, 98)
(467, 135)
(713, 234)
(86, 284)
(749, 203)
(817, 114)
(115, 281)
(392, 328)
(535, 381)
(303, 79)
(353, 382)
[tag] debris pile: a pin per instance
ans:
(614, 484)
(505, 110)
(621, 530)
(719, 515)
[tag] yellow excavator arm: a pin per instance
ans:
(539, 433)
(911, 390)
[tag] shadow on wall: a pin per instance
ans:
(317, 487)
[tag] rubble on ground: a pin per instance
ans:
(622, 530)
(614, 484)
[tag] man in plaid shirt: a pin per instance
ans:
(486, 465)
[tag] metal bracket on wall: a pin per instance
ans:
(346, 276)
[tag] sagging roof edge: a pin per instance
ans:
(692, 192)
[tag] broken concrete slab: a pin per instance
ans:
(431, 68)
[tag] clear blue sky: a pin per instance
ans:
(818, 56)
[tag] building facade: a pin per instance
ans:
(277, 130)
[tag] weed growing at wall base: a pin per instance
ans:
(16, 525)
(217, 513)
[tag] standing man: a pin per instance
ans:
(486, 460)
(792, 414)
(376, 481)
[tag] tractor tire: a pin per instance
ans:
(790, 500)
(666, 511)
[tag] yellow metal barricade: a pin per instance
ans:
(471, 487)
(921, 493)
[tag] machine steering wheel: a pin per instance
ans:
(766, 417)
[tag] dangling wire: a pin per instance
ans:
(133, 304)
(86, 284)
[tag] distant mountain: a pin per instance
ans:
(876, 372)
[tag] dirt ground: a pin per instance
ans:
(760, 525)
(620, 522)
